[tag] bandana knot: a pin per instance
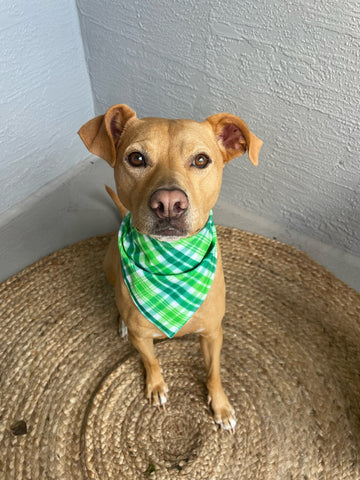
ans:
(168, 281)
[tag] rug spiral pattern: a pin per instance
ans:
(72, 402)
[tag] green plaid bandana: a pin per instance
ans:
(168, 281)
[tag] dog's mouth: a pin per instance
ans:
(169, 229)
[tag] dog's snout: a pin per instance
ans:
(169, 203)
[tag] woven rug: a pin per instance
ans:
(72, 402)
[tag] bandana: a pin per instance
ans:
(168, 281)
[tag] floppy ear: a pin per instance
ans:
(101, 134)
(234, 137)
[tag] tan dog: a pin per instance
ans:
(168, 174)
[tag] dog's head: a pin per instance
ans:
(168, 172)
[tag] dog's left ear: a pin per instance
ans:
(234, 137)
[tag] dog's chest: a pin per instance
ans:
(167, 281)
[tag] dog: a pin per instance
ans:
(168, 175)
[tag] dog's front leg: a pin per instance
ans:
(156, 388)
(224, 413)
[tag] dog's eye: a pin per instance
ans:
(136, 159)
(201, 161)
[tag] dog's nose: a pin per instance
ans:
(168, 203)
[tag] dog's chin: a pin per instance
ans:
(166, 231)
(168, 234)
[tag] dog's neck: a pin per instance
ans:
(168, 281)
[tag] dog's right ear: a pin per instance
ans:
(101, 134)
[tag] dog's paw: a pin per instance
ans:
(224, 414)
(156, 393)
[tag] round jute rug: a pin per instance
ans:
(72, 402)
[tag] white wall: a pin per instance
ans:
(290, 69)
(45, 94)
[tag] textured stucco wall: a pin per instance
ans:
(290, 69)
(45, 94)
